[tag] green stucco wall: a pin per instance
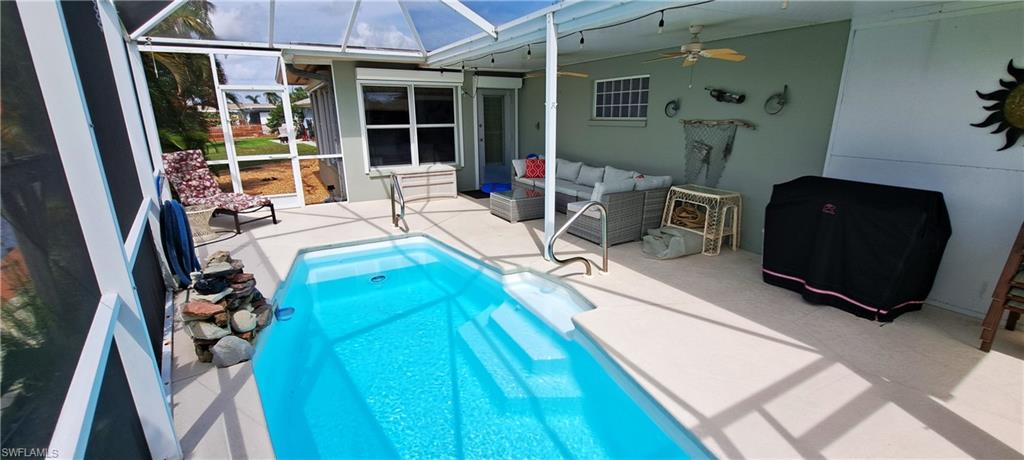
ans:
(361, 186)
(783, 147)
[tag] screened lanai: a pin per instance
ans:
(385, 27)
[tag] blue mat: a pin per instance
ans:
(494, 187)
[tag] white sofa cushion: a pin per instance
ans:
(645, 182)
(574, 190)
(590, 175)
(575, 207)
(602, 188)
(568, 170)
(519, 165)
(615, 174)
(531, 182)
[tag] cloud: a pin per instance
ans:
(381, 36)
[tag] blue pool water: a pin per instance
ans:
(405, 348)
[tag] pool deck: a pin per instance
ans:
(752, 370)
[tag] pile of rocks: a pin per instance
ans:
(224, 311)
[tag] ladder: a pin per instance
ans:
(1007, 296)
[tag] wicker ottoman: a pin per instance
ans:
(518, 204)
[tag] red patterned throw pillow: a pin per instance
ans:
(535, 168)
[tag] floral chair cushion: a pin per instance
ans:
(194, 185)
(191, 178)
(233, 201)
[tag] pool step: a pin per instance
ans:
(514, 381)
(536, 345)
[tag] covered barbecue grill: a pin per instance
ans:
(869, 249)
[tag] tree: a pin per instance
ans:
(254, 99)
(276, 117)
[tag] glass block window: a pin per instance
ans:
(621, 98)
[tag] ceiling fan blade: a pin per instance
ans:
(561, 73)
(718, 51)
(665, 57)
(729, 57)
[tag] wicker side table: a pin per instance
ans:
(719, 205)
(199, 220)
(518, 204)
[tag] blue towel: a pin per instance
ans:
(177, 241)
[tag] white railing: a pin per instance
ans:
(604, 238)
(396, 195)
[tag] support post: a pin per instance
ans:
(550, 122)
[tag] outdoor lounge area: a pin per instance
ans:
(496, 229)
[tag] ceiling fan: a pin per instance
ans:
(561, 73)
(693, 51)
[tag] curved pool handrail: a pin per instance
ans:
(604, 238)
(396, 193)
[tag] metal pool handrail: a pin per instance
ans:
(604, 238)
(396, 193)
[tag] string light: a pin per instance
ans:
(661, 26)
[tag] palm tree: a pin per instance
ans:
(190, 20)
(272, 97)
(254, 99)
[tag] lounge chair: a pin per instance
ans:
(195, 185)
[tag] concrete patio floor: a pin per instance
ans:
(750, 369)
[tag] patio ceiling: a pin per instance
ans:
(491, 34)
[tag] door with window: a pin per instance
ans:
(495, 134)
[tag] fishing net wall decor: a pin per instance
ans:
(708, 147)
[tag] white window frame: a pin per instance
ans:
(413, 126)
(593, 100)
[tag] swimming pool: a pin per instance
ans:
(408, 348)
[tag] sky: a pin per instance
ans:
(379, 24)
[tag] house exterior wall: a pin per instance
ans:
(362, 186)
(784, 146)
(903, 119)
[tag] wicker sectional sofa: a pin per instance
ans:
(630, 212)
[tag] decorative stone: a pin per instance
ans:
(212, 298)
(219, 256)
(203, 353)
(231, 350)
(200, 309)
(221, 319)
(219, 269)
(205, 331)
(263, 316)
(247, 336)
(243, 321)
(247, 285)
(243, 278)
(258, 300)
(237, 265)
(240, 303)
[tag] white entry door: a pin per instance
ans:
(495, 134)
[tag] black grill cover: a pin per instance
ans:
(869, 249)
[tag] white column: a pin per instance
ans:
(550, 121)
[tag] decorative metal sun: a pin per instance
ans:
(1008, 109)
